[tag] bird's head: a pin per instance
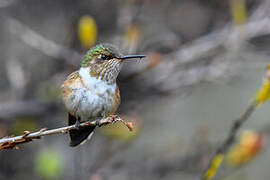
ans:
(105, 61)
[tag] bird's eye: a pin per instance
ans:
(104, 57)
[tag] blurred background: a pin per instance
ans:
(205, 60)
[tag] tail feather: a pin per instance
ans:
(79, 136)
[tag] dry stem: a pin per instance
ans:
(11, 142)
(231, 136)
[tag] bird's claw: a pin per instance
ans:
(113, 118)
(106, 120)
(99, 123)
(77, 125)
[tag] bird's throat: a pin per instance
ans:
(94, 82)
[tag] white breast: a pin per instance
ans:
(96, 99)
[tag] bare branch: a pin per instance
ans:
(223, 148)
(37, 41)
(11, 142)
(218, 48)
(226, 37)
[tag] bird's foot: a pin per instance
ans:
(106, 120)
(99, 122)
(113, 117)
(77, 124)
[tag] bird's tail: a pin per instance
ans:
(81, 135)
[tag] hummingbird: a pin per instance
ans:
(91, 93)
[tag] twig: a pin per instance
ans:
(226, 37)
(215, 44)
(11, 142)
(231, 137)
(37, 41)
(212, 46)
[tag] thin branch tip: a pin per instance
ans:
(227, 143)
(12, 141)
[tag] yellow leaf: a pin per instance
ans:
(263, 94)
(239, 12)
(87, 31)
(246, 148)
(215, 164)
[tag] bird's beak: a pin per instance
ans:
(131, 57)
